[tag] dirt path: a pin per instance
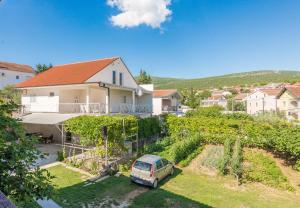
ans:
(126, 201)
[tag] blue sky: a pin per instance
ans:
(200, 38)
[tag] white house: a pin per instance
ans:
(103, 86)
(262, 100)
(289, 102)
(11, 73)
(213, 100)
(165, 101)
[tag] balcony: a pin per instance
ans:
(83, 108)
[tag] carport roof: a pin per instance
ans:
(46, 118)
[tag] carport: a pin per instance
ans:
(47, 123)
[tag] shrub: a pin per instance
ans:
(89, 129)
(186, 162)
(213, 157)
(297, 165)
(158, 146)
(149, 127)
(214, 111)
(60, 156)
(263, 169)
(237, 160)
(281, 137)
(225, 161)
(182, 149)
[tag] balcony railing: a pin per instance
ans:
(83, 108)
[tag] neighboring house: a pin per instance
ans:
(289, 101)
(103, 86)
(241, 97)
(213, 100)
(220, 92)
(262, 100)
(11, 73)
(165, 101)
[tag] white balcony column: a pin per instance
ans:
(107, 103)
(88, 95)
(133, 101)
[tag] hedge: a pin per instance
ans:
(281, 137)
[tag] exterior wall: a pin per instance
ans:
(9, 77)
(157, 106)
(208, 103)
(106, 75)
(117, 98)
(259, 102)
(39, 100)
(290, 105)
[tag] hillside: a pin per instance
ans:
(245, 78)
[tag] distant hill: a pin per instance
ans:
(245, 78)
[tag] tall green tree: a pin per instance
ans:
(192, 99)
(20, 179)
(42, 67)
(144, 78)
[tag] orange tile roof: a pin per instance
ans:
(163, 93)
(295, 90)
(272, 92)
(76, 73)
(240, 96)
(216, 97)
(16, 67)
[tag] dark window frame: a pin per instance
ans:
(114, 77)
(121, 79)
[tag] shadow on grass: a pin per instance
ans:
(115, 191)
(160, 197)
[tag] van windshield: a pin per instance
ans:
(142, 165)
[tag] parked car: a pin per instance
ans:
(150, 169)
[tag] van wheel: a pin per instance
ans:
(172, 171)
(155, 183)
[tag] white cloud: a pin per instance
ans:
(136, 12)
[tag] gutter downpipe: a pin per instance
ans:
(107, 98)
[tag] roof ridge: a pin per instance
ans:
(80, 62)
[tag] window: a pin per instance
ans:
(142, 165)
(166, 162)
(114, 77)
(124, 99)
(17, 77)
(159, 164)
(3, 74)
(256, 104)
(51, 94)
(32, 98)
(121, 79)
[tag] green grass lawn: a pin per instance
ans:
(184, 189)
(192, 190)
(71, 191)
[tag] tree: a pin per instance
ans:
(10, 93)
(144, 78)
(20, 179)
(204, 94)
(237, 106)
(42, 67)
(192, 100)
(237, 161)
